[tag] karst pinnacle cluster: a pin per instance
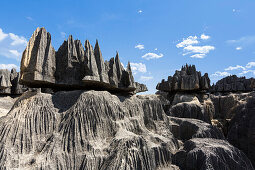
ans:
(72, 67)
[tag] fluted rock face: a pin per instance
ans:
(188, 79)
(9, 82)
(72, 67)
(241, 129)
(212, 154)
(234, 84)
(38, 63)
(86, 130)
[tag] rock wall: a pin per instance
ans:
(72, 67)
(188, 79)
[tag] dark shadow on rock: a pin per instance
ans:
(64, 100)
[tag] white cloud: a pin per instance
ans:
(239, 48)
(250, 65)
(247, 71)
(150, 56)
(235, 68)
(220, 74)
(2, 35)
(138, 67)
(15, 52)
(204, 37)
(18, 40)
(11, 45)
(199, 49)
(140, 11)
(156, 49)
(198, 56)
(146, 78)
(140, 46)
(8, 66)
(188, 41)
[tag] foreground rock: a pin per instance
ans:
(214, 154)
(72, 67)
(234, 84)
(6, 103)
(188, 79)
(98, 130)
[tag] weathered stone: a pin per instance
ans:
(38, 63)
(71, 67)
(234, 84)
(5, 82)
(188, 79)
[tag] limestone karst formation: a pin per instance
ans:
(81, 124)
(234, 84)
(187, 79)
(9, 82)
(73, 67)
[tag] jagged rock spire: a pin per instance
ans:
(92, 73)
(71, 67)
(38, 63)
(100, 64)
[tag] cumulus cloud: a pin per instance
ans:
(250, 65)
(204, 37)
(140, 11)
(11, 45)
(235, 68)
(140, 46)
(247, 71)
(243, 41)
(2, 35)
(138, 67)
(191, 46)
(220, 74)
(150, 56)
(146, 78)
(17, 40)
(188, 41)
(8, 66)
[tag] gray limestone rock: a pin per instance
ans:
(234, 84)
(38, 63)
(72, 68)
(214, 154)
(188, 79)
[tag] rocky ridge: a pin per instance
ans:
(72, 67)
(187, 79)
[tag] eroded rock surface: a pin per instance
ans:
(72, 67)
(234, 84)
(188, 79)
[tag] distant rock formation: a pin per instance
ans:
(188, 79)
(72, 67)
(234, 84)
(9, 82)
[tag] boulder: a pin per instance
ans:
(213, 154)
(72, 67)
(188, 79)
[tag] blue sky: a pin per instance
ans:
(157, 37)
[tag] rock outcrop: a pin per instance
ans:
(9, 82)
(234, 84)
(72, 67)
(188, 79)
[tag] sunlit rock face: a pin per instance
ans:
(73, 67)
(187, 79)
